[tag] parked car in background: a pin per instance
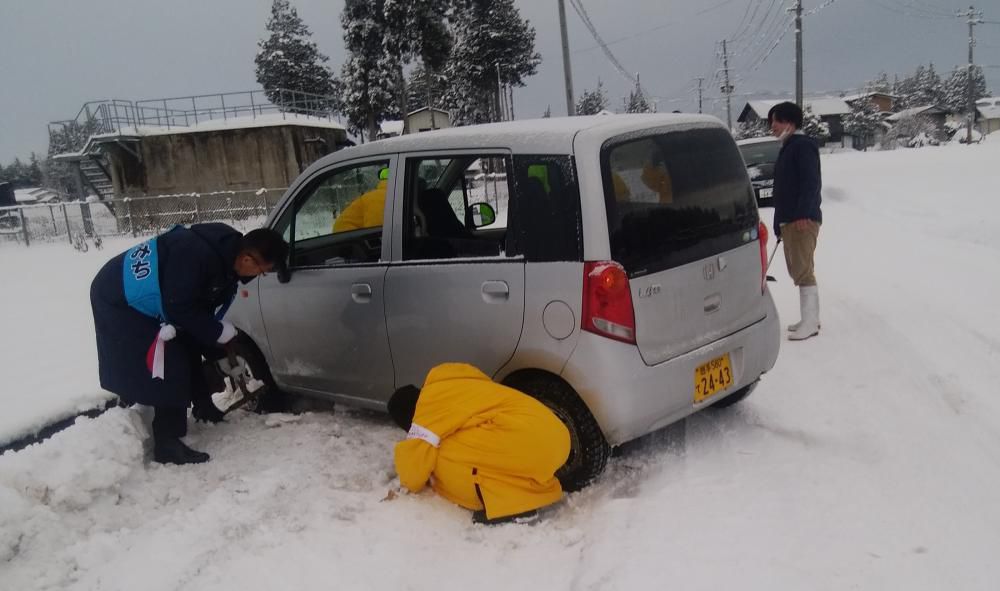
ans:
(760, 154)
(610, 266)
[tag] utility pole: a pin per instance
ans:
(798, 52)
(973, 18)
(700, 80)
(727, 88)
(567, 71)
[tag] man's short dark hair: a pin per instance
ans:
(786, 112)
(268, 244)
(403, 405)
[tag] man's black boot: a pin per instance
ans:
(205, 410)
(171, 450)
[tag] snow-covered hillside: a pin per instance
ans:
(869, 458)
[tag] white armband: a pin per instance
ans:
(418, 432)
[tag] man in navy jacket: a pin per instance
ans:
(797, 214)
(158, 310)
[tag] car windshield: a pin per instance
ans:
(760, 153)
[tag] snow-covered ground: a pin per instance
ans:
(868, 459)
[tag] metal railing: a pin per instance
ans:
(123, 117)
(77, 221)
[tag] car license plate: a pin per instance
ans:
(712, 377)
(766, 193)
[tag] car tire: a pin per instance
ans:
(736, 396)
(589, 451)
(273, 399)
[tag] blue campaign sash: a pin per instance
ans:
(141, 275)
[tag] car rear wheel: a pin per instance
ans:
(589, 451)
(736, 396)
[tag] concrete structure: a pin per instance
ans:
(239, 155)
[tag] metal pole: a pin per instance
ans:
(510, 103)
(567, 70)
(24, 228)
(970, 102)
(52, 214)
(69, 233)
(700, 80)
(798, 52)
(728, 89)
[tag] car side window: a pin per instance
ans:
(337, 219)
(455, 207)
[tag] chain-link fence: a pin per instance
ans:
(136, 216)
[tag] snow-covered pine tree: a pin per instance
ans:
(370, 77)
(637, 102)
(288, 59)
(425, 88)
(487, 34)
(908, 89)
(956, 88)
(814, 127)
(863, 122)
(929, 90)
(592, 102)
(750, 129)
(415, 30)
(881, 84)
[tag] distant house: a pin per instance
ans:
(829, 110)
(35, 195)
(988, 114)
(885, 103)
(934, 113)
(422, 119)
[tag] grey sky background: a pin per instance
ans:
(57, 54)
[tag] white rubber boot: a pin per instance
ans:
(802, 305)
(809, 326)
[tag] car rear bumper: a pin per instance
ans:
(630, 399)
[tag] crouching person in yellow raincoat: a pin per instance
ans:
(484, 446)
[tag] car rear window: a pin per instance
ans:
(760, 152)
(676, 197)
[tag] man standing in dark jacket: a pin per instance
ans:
(797, 214)
(158, 310)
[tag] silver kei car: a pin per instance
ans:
(613, 267)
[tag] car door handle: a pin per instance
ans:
(495, 292)
(361, 293)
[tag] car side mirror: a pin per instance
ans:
(482, 214)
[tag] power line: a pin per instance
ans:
(582, 13)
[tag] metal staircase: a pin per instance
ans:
(94, 171)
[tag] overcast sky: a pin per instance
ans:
(57, 54)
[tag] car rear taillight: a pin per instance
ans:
(762, 239)
(607, 301)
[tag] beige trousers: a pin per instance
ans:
(800, 246)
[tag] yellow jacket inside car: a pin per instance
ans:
(366, 211)
(480, 444)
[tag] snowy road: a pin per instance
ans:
(868, 459)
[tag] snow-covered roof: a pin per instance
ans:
(265, 120)
(914, 111)
(35, 195)
(853, 97)
(824, 106)
(989, 108)
(422, 109)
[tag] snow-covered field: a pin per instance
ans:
(868, 459)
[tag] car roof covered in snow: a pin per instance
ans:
(552, 135)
